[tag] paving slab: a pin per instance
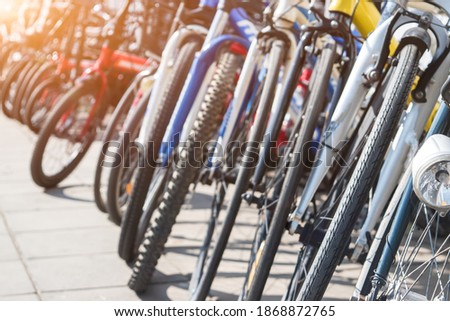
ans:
(72, 242)
(37, 202)
(14, 279)
(157, 292)
(8, 251)
(78, 272)
(2, 227)
(120, 293)
(20, 297)
(15, 186)
(57, 220)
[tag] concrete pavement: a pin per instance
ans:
(56, 245)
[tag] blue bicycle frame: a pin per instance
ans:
(242, 25)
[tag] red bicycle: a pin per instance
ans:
(54, 77)
(57, 75)
(72, 125)
(50, 85)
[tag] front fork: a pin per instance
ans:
(236, 107)
(404, 143)
(352, 97)
(252, 63)
(162, 76)
(399, 220)
(188, 104)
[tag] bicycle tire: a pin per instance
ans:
(185, 172)
(276, 55)
(11, 78)
(122, 109)
(63, 105)
(33, 104)
(339, 232)
(20, 96)
(114, 209)
(314, 105)
(227, 176)
(130, 221)
(45, 71)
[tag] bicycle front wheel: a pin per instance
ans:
(369, 164)
(110, 135)
(137, 212)
(186, 170)
(286, 191)
(275, 58)
(121, 175)
(66, 136)
(421, 271)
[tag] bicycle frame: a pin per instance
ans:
(241, 101)
(110, 61)
(65, 65)
(396, 222)
(365, 16)
(195, 85)
(352, 98)
(404, 146)
(162, 76)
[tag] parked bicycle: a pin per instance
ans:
(78, 115)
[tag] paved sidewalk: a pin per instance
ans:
(56, 245)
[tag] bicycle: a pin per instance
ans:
(77, 124)
(215, 72)
(253, 178)
(33, 39)
(411, 49)
(276, 43)
(177, 56)
(131, 106)
(405, 216)
(307, 220)
(51, 79)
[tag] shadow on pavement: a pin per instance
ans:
(71, 192)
